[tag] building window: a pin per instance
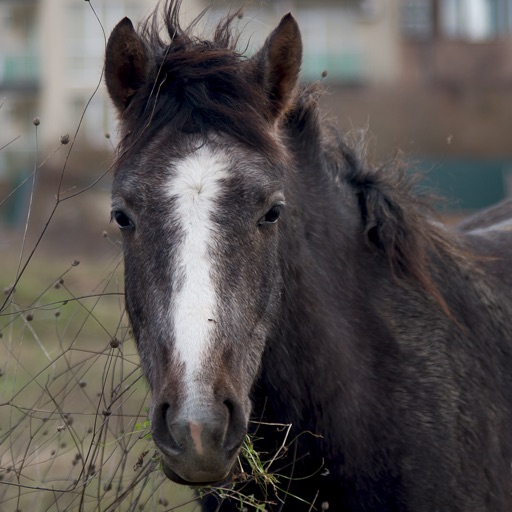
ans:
(19, 54)
(475, 20)
(331, 43)
(418, 19)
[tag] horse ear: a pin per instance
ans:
(126, 64)
(277, 65)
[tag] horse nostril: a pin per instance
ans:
(236, 426)
(162, 431)
(162, 416)
(230, 406)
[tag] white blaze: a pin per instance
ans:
(195, 187)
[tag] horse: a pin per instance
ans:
(279, 286)
(499, 214)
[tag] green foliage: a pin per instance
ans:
(144, 429)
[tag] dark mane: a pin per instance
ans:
(398, 223)
(195, 85)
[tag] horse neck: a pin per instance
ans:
(310, 360)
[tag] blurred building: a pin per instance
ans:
(455, 44)
(51, 51)
(51, 58)
(432, 77)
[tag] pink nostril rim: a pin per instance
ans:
(195, 434)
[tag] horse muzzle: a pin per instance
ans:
(201, 447)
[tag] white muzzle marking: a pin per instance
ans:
(195, 187)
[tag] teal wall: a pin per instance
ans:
(465, 184)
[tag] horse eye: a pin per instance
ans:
(271, 216)
(122, 220)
